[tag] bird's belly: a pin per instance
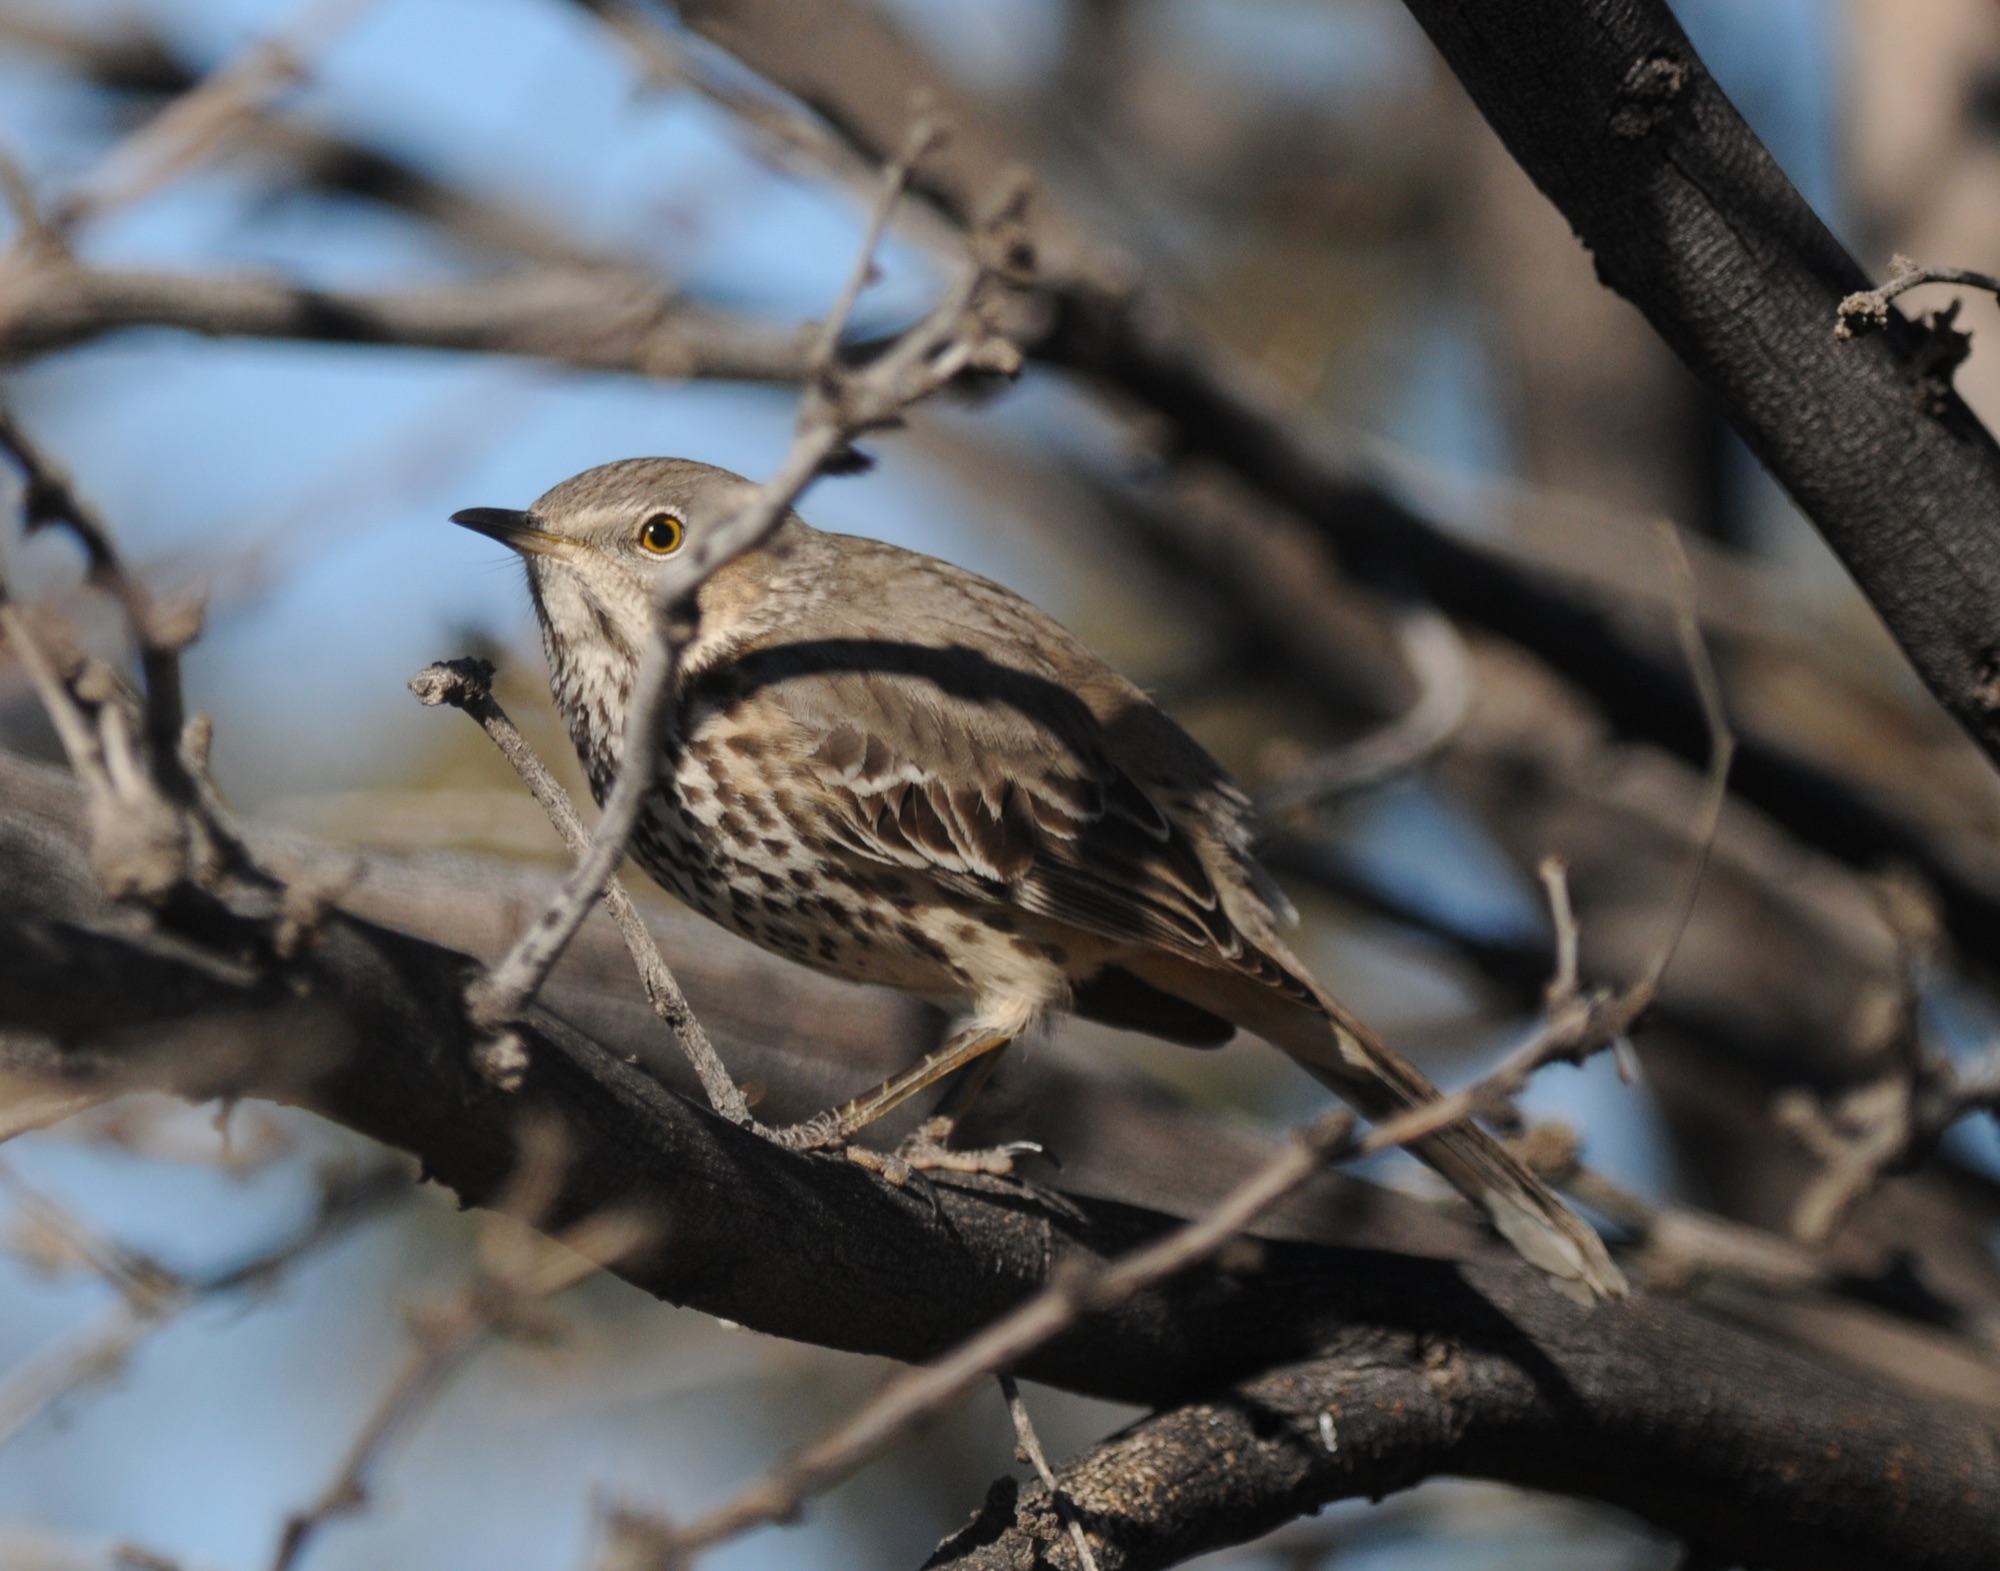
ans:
(766, 884)
(729, 852)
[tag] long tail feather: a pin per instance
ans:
(1345, 1056)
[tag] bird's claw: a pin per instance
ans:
(994, 1161)
(820, 1133)
(925, 1151)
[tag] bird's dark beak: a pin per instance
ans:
(510, 528)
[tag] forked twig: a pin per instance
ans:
(1868, 309)
(155, 820)
(161, 632)
(1888, 1123)
(468, 685)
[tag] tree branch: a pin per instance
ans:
(815, 1248)
(599, 320)
(468, 685)
(1607, 107)
(1678, 1444)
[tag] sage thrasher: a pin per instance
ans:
(895, 771)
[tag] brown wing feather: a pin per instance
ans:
(996, 783)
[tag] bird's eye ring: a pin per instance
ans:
(661, 534)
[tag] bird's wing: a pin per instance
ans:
(992, 781)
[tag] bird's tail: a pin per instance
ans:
(1345, 1056)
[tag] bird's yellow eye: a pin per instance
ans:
(661, 534)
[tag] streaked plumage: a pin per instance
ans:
(893, 770)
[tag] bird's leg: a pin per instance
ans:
(960, 1095)
(963, 1048)
(928, 1146)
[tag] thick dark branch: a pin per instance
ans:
(1610, 111)
(817, 1249)
(1679, 1443)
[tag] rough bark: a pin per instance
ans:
(1390, 1407)
(1771, 1456)
(1607, 107)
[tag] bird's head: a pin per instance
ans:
(593, 545)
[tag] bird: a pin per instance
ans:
(890, 769)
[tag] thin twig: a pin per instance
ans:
(197, 122)
(1580, 1023)
(566, 315)
(1868, 309)
(161, 632)
(924, 135)
(517, 1268)
(1721, 748)
(1567, 982)
(837, 407)
(1028, 1447)
(1436, 657)
(468, 685)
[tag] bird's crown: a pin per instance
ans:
(635, 510)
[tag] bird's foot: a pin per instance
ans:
(819, 1133)
(925, 1151)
